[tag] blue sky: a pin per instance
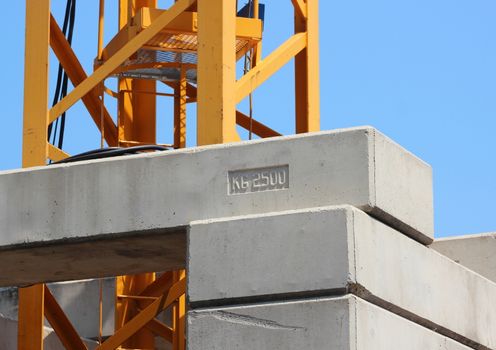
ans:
(423, 72)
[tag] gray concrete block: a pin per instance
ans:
(8, 337)
(358, 166)
(342, 323)
(80, 301)
(9, 298)
(337, 250)
(477, 252)
(112, 255)
(278, 253)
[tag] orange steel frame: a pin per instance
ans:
(141, 298)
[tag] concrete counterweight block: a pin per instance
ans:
(477, 252)
(342, 323)
(95, 218)
(338, 250)
(80, 301)
(357, 166)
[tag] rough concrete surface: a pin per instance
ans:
(277, 253)
(8, 302)
(80, 302)
(342, 323)
(108, 256)
(8, 337)
(328, 250)
(358, 166)
(477, 252)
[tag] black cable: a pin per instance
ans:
(72, 21)
(56, 96)
(62, 78)
(101, 153)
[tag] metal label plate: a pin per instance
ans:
(258, 180)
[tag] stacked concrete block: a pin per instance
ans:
(140, 193)
(339, 323)
(80, 301)
(337, 277)
(477, 252)
(338, 251)
(97, 217)
(306, 242)
(8, 338)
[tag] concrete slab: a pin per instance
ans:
(9, 303)
(8, 337)
(358, 166)
(80, 302)
(343, 323)
(333, 250)
(477, 252)
(112, 255)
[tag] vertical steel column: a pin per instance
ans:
(35, 146)
(34, 151)
(101, 26)
(125, 106)
(180, 111)
(127, 308)
(137, 122)
(30, 318)
(216, 72)
(307, 81)
(179, 316)
(137, 103)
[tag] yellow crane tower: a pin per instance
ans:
(192, 47)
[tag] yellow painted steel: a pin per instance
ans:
(76, 74)
(301, 72)
(137, 123)
(125, 88)
(307, 80)
(178, 316)
(101, 23)
(55, 154)
(118, 58)
(216, 117)
(31, 316)
(180, 35)
(313, 70)
(61, 324)
(268, 66)
(144, 317)
(242, 119)
(161, 330)
(126, 309)
(34, 150)
(300, 8)
(218, 34)
(312, 119)
(257, 128)
(137, 113)
(180, 100)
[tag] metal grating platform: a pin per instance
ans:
(160, 65)
(175, 47)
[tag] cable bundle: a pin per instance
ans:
(57, 139)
